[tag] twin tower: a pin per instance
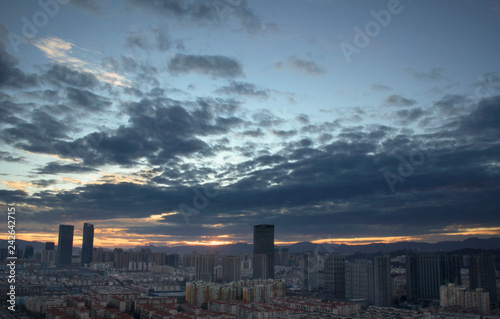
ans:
(65, 244)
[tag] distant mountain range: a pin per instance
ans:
(241, 248)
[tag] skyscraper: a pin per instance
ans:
(263, 244)
(88, 243)
(49, 245)
(335, 275)
(205, 268)
(231, 268)
(310, 271)
(65, 245)
(382, 281)
(29, 252)
(359, 281)
(482, 275)
(425, 273)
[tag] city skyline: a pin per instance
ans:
(173, 123)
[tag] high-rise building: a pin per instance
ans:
(29, 251)
(48, 258)
(49, 246)
(231, 268)
(335, 275)
(482, 275)
(284, 255)
(310, 271)
(88, 243)
(359, 281)
(263, 244)
(65, 245)
(205, 268)
(382, 281)
(172, 260)
(425, 273)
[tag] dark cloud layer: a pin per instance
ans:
(10, 75)
(398, 100)
(57, 168)
(213, 13)
(336, 188)
(60, 73)
(244, 89)
(214, 65)
(306, 66)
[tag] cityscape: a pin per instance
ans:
(270, 282)
(257, 159)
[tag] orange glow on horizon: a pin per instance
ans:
(109, 237)
(367, 240)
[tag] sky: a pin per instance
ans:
(187, 122)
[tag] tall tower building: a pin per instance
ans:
(482, 275)
(263, 251)
(335, 275)
(382, 281)
(425, 273)
(29, 251)
(65, 245)
(310, 271)
(231, 268)
(88, 243)
(359, 281)
(205, 268)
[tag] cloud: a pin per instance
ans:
(63, 52)
(434, 74)
(214, 65)
(320, 174)
(398, 100)
(253, 133)
(410, 115)
(484, 118)
(305, 66)
(162, 38)
(63, 74)
(243, 89)
(58, 168)
(86, 99)
(8, 157)
(90, 5)
(284, 134)
(10, 75)
(40, 135)
(156, 132)
(42, 183)
(380, 87)
(138, 40)
(302, 118)
(211, 13)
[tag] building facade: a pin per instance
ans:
(65, 245)
(382, 281)
(231, 268)
(310, 271)
(335, 275)
(87, 244)
(263, 244)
